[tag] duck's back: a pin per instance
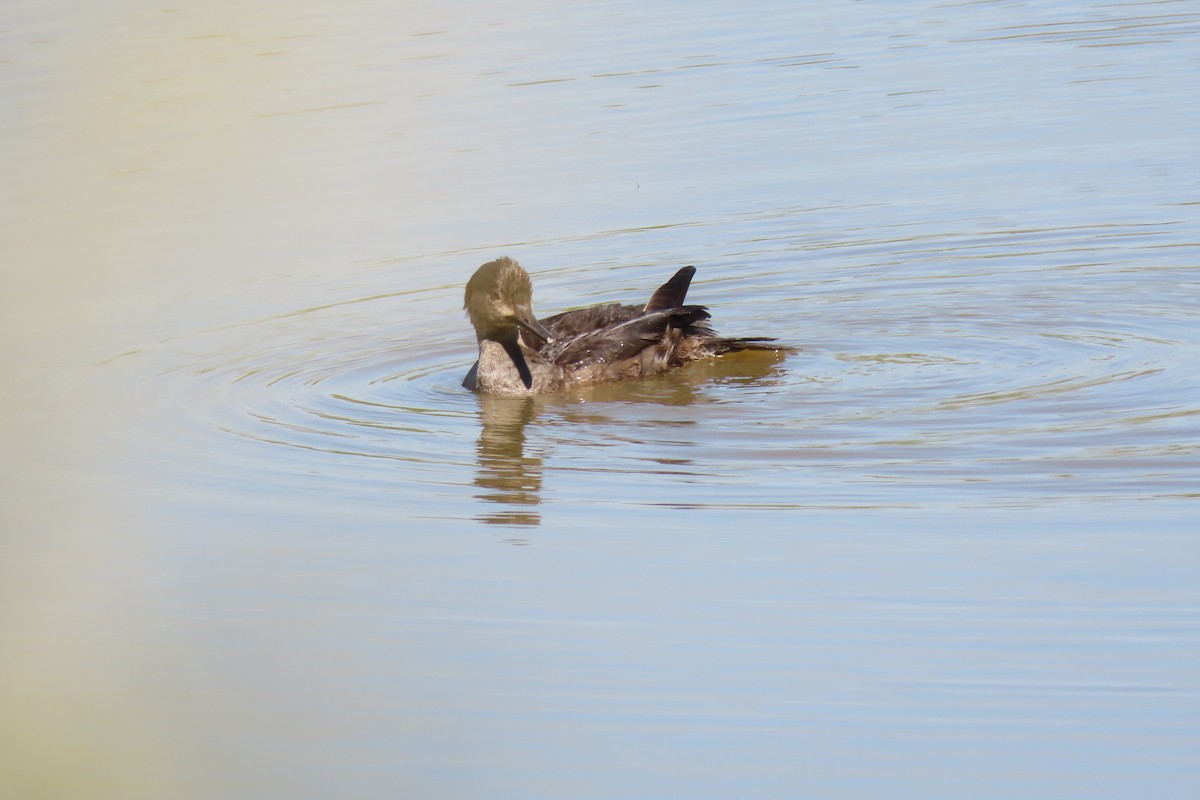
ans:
(617, 342)
(612, 341)
(572, 324)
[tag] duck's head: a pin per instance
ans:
(499, 301)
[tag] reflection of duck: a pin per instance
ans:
(518, 354)
(508, 475)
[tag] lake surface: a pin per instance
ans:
(258, 542)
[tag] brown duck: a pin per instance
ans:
(519, 354)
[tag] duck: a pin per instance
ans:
(520, 354)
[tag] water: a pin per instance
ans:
(260, 543)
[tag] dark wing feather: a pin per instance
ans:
(627, 339)
(570, 324)
(672, 293)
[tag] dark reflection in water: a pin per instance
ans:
(506, 474)
(510, 469)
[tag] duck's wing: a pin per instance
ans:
(570, 324)
(672, 293)
(626, 339)
(581, 321)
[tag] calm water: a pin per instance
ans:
(259, 542)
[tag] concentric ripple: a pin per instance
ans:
(328, 391)
(959, 371)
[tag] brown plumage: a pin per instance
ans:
(519, 354)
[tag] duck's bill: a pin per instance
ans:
(528, 322)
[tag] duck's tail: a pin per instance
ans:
(693, 320)
(721, 345)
